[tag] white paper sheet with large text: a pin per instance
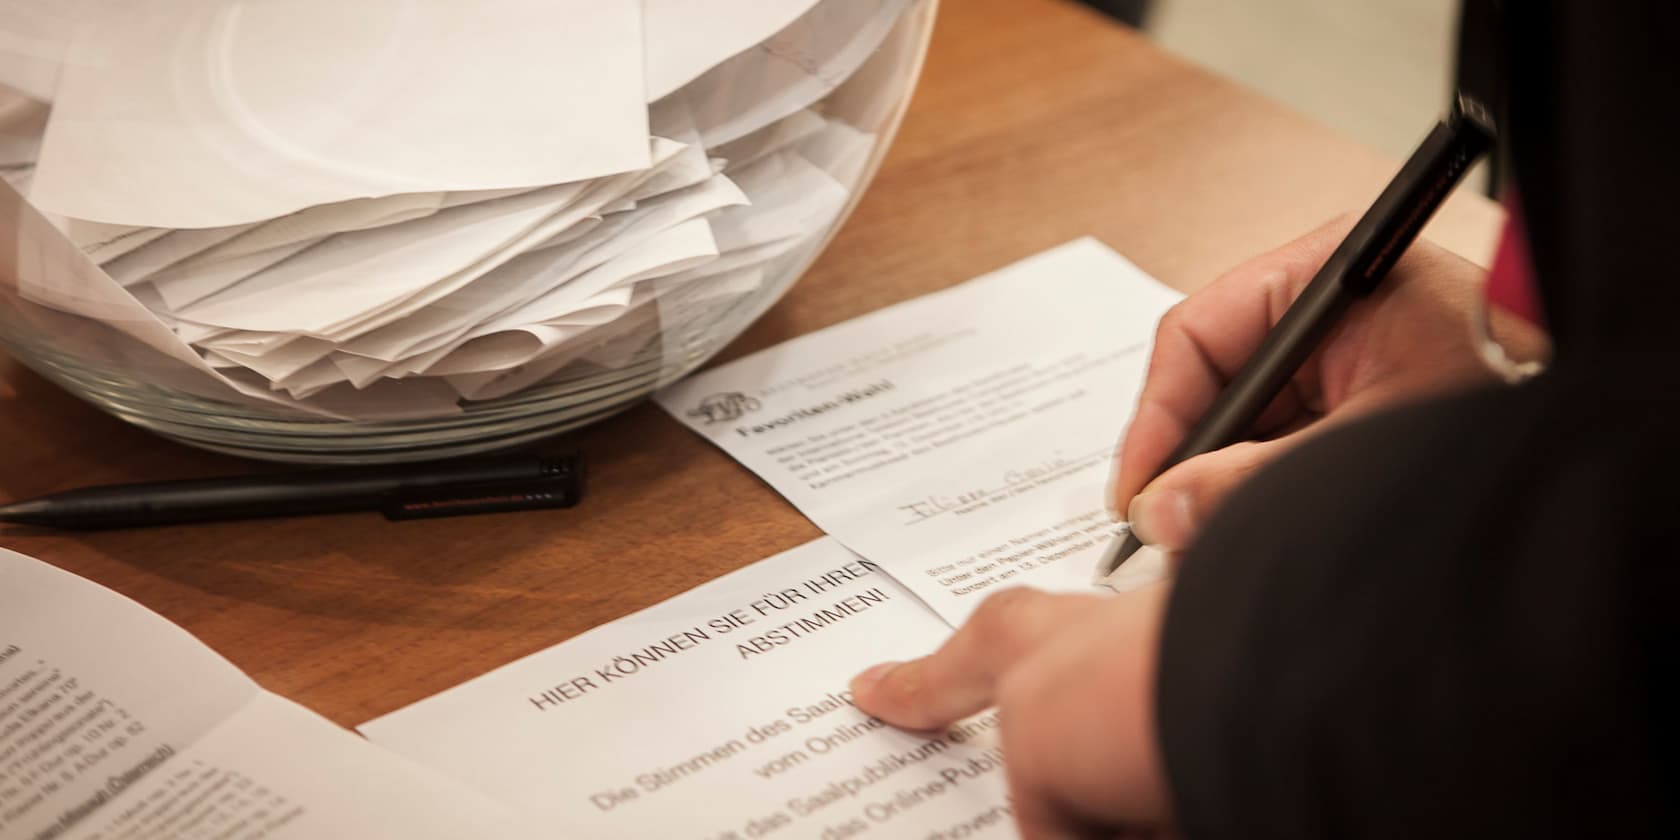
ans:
(961, 440)
(720, 714)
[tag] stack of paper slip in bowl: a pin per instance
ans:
(321, 199)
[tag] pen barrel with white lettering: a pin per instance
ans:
(336, 490)
(1353, 271)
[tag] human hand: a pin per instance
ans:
(1413, 337)
(1073, 677)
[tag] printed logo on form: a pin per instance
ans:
(722, 408)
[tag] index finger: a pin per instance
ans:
(962, 676)
(1203, 341)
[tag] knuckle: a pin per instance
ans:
(999, 620)
(1006, 604)
(1173, 319)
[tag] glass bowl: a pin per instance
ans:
(798, 123)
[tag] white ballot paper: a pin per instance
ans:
(187, 114)
(720, 714)
(792, 69)
(962, 440)
(115, 723)
(682, 39)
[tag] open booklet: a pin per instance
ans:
(115, 723)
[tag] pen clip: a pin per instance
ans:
(554, 491)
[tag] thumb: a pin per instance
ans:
(1167, 513)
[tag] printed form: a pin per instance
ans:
(962, 439)
(720, 714)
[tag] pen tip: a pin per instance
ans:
(23, 513)
(1116, 553)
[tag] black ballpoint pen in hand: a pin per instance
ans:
(1353, 270)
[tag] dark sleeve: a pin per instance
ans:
(1457, 619)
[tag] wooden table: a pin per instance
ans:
(1037, 121)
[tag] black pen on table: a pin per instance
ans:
(407, 491)
(1353, 270)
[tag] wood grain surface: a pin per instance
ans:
(1037, 121)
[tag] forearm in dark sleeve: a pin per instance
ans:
(1452, 620)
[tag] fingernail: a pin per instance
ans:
(1163, 518)
(872, 676)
